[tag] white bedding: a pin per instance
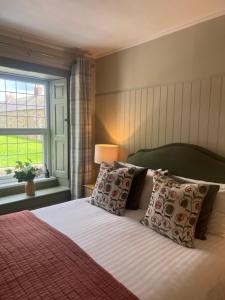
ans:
(148, 264)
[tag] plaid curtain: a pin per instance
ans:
(81, 147)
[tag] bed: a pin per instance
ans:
(149, 265)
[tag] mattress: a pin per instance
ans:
(148, 264)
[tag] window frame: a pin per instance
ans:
(45, 132)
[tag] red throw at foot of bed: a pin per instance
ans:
(39, 262)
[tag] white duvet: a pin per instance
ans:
(148, 264)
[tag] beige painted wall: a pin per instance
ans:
(168, 90)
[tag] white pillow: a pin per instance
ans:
(216, 224)
(147, 189)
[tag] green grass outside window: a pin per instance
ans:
(13, 148)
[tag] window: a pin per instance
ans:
(24, 125)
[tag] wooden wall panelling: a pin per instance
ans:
(204, 112)
(149, 121)
(137, 119)
(194, 113)
(185, 123)
(143, 128)
(187, 112)
(214, 112)
(108, 128)
(170, 114)
(156, 116)
(178, 99)
(163, 116)
(114, 108)
(221, 139)
(126, 121)
(121, 132)
(132, 121)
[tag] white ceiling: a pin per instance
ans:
(103, 26)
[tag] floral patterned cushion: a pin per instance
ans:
(104, 167)
(174, 208)
(112, 189)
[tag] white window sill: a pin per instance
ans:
(16, 183)
(43, 197)
(38, 194)
(14, 188)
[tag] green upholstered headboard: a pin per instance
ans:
(184, 160)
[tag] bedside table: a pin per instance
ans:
(88, 188)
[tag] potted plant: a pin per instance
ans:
(25, 172)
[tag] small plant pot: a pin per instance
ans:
(30, 188)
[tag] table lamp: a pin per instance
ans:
(106, 152)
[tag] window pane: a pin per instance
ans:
(2, 85)
(22, 122)
(2, 97)
(3, 121)
(21, 147)
(11, 110)
(31, 100)
(30, 88)
(31, 112)
(11, 122)
(12, 146)
(23, 105)
(32, 122)
(39, 90)
(22, 99)
(3, 140)
(3, 162)
(41, 122)
(3, 149)
(10, 98)
(21, 87)
(11, 160)
(21, 110)
(2, 109)
(10, 85)
(40, 101)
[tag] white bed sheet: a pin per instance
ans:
(148, 264)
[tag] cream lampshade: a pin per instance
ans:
(106, 152)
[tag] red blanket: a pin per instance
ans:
(39, 262)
